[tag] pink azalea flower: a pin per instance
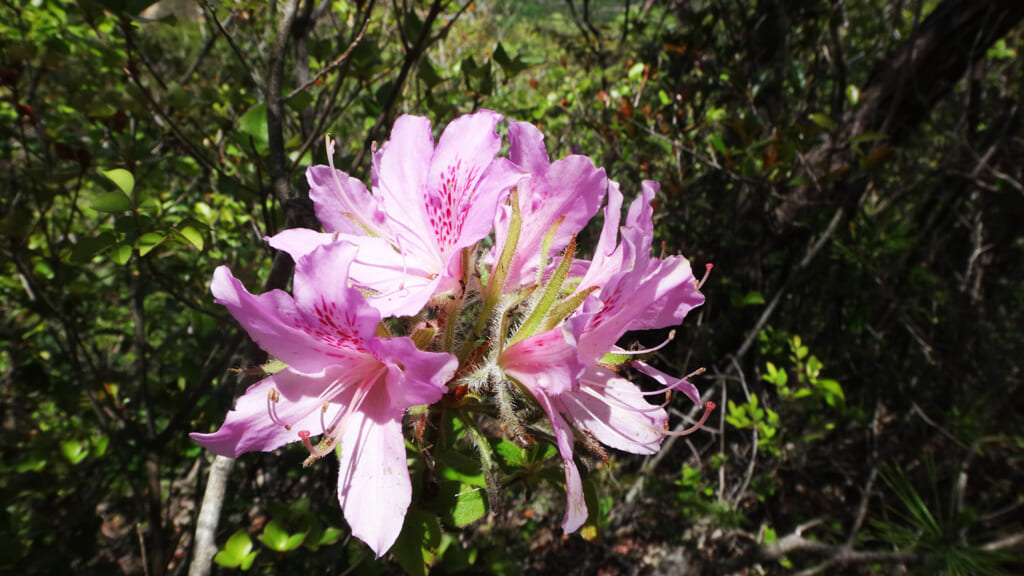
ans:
(566, 193)
(562, 368)
(547, 365)
(427, 204)
(342, 383)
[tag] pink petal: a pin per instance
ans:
(373, 481)
(607, 259)
(576, 506)
(250, 426)
(620, 300)
(298, 242)
(343, 204)
(613, 410)
(491, 193)
(674, 296)
(526, 147)
(402, 175)
(407, 299)
(458, 208)
(639, 227)
(572, 190)
(402, 285)
(274, 323)
(414, 377)
(546, 363)
(331, 307)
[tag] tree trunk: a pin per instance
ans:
(906, 84)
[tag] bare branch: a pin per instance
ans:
(335, 64)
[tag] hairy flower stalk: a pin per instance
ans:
(502, 316)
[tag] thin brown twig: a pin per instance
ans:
(335, 64)
(253, 72)
(738, 494)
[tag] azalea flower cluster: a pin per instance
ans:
(457, 271)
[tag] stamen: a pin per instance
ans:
(675, 386)
(707, 272)
(612, 399)
(671, 336)
(273, 397)
(405, 265)
(362, 391)
(323, 410)
(709, 407)
(330, 150)
(316, 452)
(338, 423)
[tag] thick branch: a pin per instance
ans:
(909, 81)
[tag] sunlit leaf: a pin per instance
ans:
(111, 202)
(148, 241)
(123, 179)
(193, 237)
(823, 121)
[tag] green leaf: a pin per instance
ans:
(123, 179)
(148, 241)
(239, 544)
(428, 74)
(237, 552)
(330, 536)
(478, 77)
(420, 536)
(459, 467)
(511, 66)
(823, 121)
(636, 71)
(254, 125)
(111, 202)
(74, 451)
(121, 254)
(868, 137)
(248, 560)
(717, 142)
(192, 236)
(300, 101)
(275, 536)
(295, 540)
(470, 505)
(750, 299)
(99, 445)
(86, 248)
(226, 560)
(852, 95)
(511, 454)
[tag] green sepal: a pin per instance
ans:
(547, 299)
(273, 367)
(499, 272)
(613, 359)
(564, 308)
(545, 246)
(423, 337)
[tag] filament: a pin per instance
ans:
(671, 336)
(707, 272)
(273, 397)
(709, 407)
(675, 386)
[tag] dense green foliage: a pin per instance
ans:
(867, 353)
